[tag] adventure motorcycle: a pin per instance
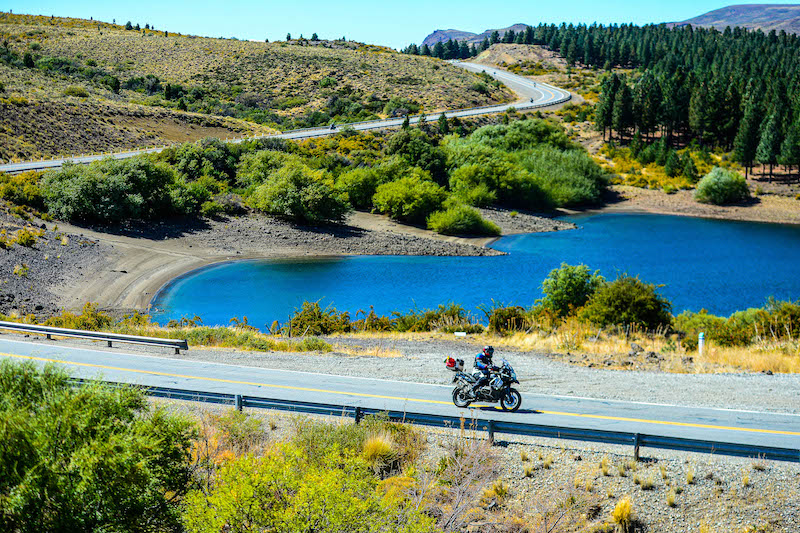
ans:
(499, 388)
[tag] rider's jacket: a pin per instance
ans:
(483, 362)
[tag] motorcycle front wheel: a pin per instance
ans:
(511, 400)
(460, 398)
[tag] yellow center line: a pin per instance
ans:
(365, 395)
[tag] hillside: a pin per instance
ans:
(765, 17)
(459, 35)
(72, 85)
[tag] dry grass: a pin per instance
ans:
(284, 79)
(375, 351)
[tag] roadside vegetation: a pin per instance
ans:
(583, 318)
(135, 464)
(424, 176)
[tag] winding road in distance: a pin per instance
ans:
(531, 95)
(719, 425)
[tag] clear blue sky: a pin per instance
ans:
(392, 23)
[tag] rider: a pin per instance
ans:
(483, 362)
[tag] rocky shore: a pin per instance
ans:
(121, 268)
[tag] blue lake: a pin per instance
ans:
(722, 266)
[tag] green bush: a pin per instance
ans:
(721, 186)
(568, 178)
(448, 318)
(522, 135)
(360, 185)
(255, 168)
(311, 319)
(411, 198)
(76, 90)
(110, 190)
(291, 490)
(478, 196)
(568, 288)
(627, 301)
(461, 220)
(503, 320)
(95, 458)
(418, 150)
(302, 194)
(22, 189)
(209, 157)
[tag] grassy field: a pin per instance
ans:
(70, 85)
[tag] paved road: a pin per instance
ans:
(744, 427)
(531, 94)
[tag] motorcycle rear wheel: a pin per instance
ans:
(511, 400)
(460, 398)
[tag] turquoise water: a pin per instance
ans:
(722, 266)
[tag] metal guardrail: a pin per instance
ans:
(50, 332)
(493, 427)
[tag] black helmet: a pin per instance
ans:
(488, 351)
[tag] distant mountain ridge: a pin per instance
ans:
(441, 36)
(765, 17)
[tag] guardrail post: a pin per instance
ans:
(177, 351)
(490, 428)
(239, 402)
(636, 443)
(48, 337)
(358, 414)
(109, 344)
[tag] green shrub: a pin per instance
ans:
(568, 178)
(522, 135)
(312, 320)
(360, 185)
(255, 168)
(209, 157)
(627, 301)
(302, 194)
(76, 90)
(97, 458)
(110, 190)
(448, 318)
(22, 189)
(568, 288)
(461, 220)
(411, 198)
(504, 320)
(721, 186)
(478, 196)
(418, 150)
(25, 238)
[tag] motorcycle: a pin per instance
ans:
(499, 388)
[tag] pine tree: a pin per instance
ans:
(314, 36)
(746, 142)
(790, 148)
(689, 168)
(406, 124)
(444, 127)
(604, 111)
(438, 50)
(495, 37)
(672, 167)
(288, 36)
(425, 50)
(769, 144)
(128, 25)
(622, 114)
